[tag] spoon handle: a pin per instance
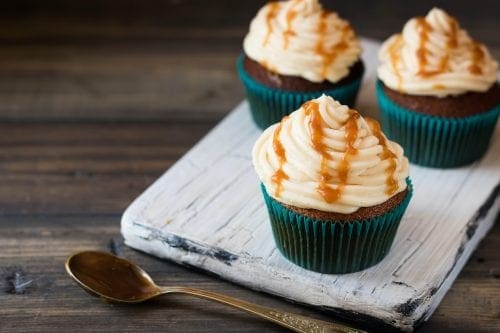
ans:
(292, 321)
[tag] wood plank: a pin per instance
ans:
(155, 60)
(54, 301)
(225, 229)
(61, 167)
(207, 211)
(114, 83)
(118, 82)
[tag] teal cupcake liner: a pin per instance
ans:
(269, 105)
(433, 141)
(333, 247)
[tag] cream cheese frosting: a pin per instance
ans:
(325, 156)
(435, 56)
(300, 38)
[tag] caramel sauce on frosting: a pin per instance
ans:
(395, 58)
(335, 160)
(453, 34)
(422, 52)
(434, 56)
(477, 57)
(316, 125)
(329, 55)
(272, 12)
(387, 154)
(424, 29)
(289, 32)
(300, 38)
(279, 175)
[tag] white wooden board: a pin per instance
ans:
(207, 211)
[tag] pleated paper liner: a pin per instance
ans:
(437, 141)
(269, 105)
(333, 247)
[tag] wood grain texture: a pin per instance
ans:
(55, 303)
(207, 211)
(170, 59)
(86, 128)
(49, 168)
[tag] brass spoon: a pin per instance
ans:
(118, 280)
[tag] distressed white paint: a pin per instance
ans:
(211, 197)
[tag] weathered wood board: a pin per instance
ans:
(207, 211)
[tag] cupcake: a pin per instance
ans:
(335, 187)
(438, 92)
(295, 51)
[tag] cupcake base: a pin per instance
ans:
(269, 105)
(295, 83)
(459, 106)
(334, 246)
(434, 141)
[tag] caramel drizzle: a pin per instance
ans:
(278, 148)
(328, 193)
(424, 28)
(477, 57)
(453, 36)
(395, 58)
(351, 134)
(476, 49)
(316, 124)
(290, 17)
(329, 55)
(452, 42)
(387, 154)
(271, 14)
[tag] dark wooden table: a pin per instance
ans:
(97, 99)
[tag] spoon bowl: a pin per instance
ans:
(111, 277)
(119, 280)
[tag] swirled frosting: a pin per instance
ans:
(434, 56)
(325, 156)
(300, 38)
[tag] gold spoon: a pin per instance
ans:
(118, 280)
